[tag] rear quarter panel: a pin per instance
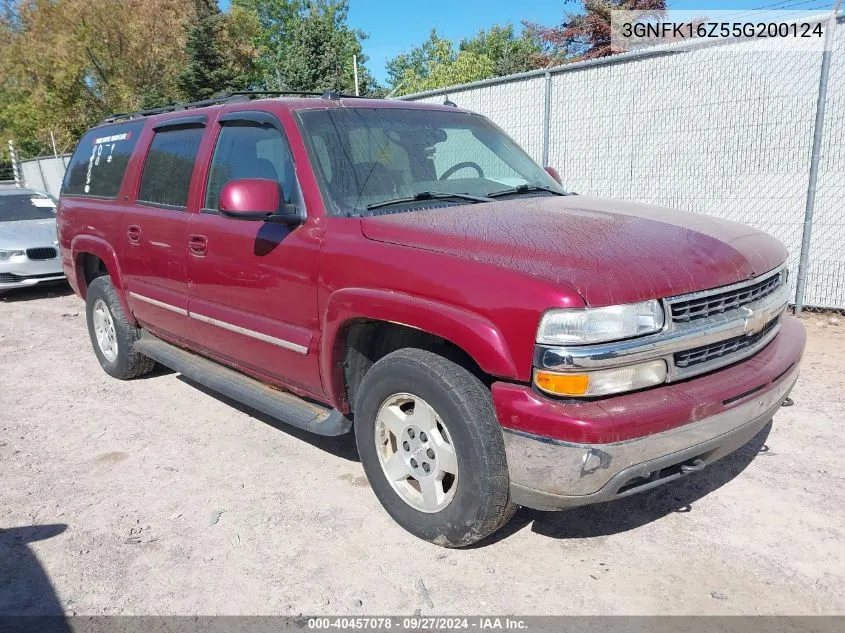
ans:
(89, 225)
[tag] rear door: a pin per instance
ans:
(254, 284)
(155, 230)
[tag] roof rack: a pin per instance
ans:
(238, 96)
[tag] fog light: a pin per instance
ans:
(603, 382)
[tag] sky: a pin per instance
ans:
(399, 25)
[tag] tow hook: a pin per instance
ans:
(788, 402)
(696, 465)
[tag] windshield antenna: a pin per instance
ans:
(447, 102)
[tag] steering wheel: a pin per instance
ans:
(460, 166)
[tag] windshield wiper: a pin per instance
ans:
(427, 195)
(524, 189)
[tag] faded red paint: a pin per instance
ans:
(610, 252)
(479, 276)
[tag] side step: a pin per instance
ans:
(278, 404)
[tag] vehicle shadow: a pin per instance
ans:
(589, 521)
(41, 291)
(629, 513)
(25, 587)
(158, 371)
(342, 446)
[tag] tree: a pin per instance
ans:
(319, 52)
(217, 62)
(307, 45)
(509, 52)
(417, 64)
(68, 63)
(587, 34)
(269, 23)
(437, 63)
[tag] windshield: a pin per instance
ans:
(30, 206)
(369, 156)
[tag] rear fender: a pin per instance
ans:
(98, 247)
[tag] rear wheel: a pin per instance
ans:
(112, 335)
(432, 448)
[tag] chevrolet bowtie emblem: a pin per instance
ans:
(755, 320)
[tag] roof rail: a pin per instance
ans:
(227, 97)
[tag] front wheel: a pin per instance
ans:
(432, 448)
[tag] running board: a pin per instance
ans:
(281, 405)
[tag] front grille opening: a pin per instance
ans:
(718, 302)
(38, 254)
(691, 357)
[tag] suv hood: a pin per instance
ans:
(24, 234)
(609, 251)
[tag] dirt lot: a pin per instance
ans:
(156, 497)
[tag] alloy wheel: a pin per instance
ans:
(416, 452)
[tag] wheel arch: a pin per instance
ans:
(362, 325)
(94, 257)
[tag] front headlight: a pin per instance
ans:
(4, 255)
(599, 325)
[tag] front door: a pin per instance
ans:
(253, 285)
(155, 254)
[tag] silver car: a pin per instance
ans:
(29, 252)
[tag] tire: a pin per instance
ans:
(475, 500)
(120, 361)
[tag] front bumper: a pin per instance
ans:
(22, 272)
(618, 446)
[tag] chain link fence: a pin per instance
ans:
(712, 128)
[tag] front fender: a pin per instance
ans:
(476, 335)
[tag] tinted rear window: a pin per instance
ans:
(169, 166)
(100, 159)
(31, 206)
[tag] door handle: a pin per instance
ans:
(134, 234)
(198, 245)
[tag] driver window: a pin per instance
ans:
(462, 146)
(249, 151)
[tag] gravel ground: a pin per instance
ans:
(157, 497)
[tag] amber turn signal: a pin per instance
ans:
(602, 382)
(562, 384)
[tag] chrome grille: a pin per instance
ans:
(45, 252)
(716, 302)
(698, 355)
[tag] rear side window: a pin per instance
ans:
(99, 162)
(166, 178)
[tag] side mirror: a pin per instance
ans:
(258, 199)
(551, 171)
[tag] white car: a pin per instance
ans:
(29, 248)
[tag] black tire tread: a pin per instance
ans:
(129, 364)
(495, 508)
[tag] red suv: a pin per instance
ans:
(407, 270)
